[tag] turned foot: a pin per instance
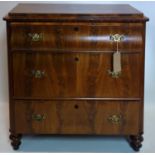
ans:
(15, 140)
(136, 141)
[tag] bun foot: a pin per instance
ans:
(136, 141)
(15, 140)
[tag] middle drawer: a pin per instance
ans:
(46, 76)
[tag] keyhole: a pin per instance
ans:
(76, 106)
(76, 59)
(76, 29)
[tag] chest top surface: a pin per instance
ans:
(107, 9)
(77, 12)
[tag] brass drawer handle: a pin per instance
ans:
(116, 72)
(38, 74)
(113, 74)
(117, 37)
(115, 119)
(38, 117)
(35, 37)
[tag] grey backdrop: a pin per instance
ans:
(82, 144)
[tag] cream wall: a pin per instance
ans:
(149, 10)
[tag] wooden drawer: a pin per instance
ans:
(75, 36)
(46, 76)
(77, 117)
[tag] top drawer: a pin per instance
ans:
(75, 36)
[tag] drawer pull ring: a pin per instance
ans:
(38, 117)
(116, 57)
(115, 119)
(36, 36)
(38, 74)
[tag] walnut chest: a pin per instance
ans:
(76, 70)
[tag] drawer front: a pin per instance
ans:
(77, 117)
(75, 36)
(43, 76)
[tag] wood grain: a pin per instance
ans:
(63, 78)
(75, 12)
(78, 117)
(75, 75)
(76, 36)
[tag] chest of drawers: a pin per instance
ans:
(76, 70)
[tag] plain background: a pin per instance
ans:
(81, 144)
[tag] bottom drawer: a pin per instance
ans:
(77, 117)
